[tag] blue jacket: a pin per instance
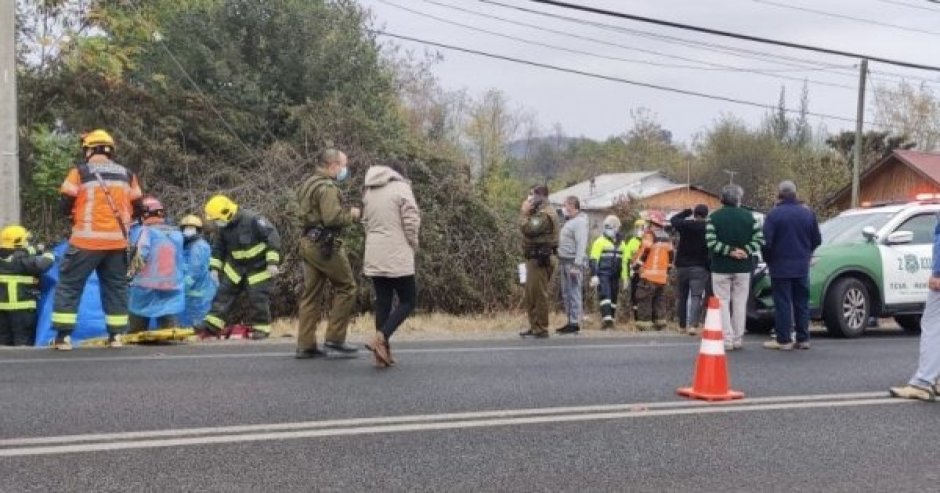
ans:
(791, 234)
(936, 251)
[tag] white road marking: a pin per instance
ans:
(413, 423)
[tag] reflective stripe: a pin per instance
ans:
(613, 305)
(605, 302)
(108, 183)
(49, 256)
(712, 348)
(262, 328)
(215, 263)
(608, 318)
(273, 257)
(100, 235)
(250, 253)
(232, 274)
(115, 320)
(64, 318)
(69, 188)
(259, 277)
(14, 279)
(22, 305)
(215, 321)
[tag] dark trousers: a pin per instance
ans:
(791, 308)
(76, 267)
(17, 327)
(651, 304)
(634, 285)
(387, 320)
(140, 324)
(690, 292)
(259, 303)
(608, 291)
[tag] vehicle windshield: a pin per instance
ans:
(846, 230)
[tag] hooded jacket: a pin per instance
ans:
(392, 220)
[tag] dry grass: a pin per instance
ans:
(435, 326)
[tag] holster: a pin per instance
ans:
(542, 255)
(325, 238)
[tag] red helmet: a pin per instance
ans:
(152, 205)
(657, 217)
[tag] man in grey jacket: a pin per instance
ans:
(572, 253)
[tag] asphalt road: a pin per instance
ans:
(560, 415)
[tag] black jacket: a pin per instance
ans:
(692, 251)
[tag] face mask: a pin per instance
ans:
(343, 174)
(219, 223)
(190, 231)
(530, 199)
(638, 232)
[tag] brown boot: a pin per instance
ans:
(388, 351)
(378, 347)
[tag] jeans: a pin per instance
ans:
(571, 289)
(693, 282)
(928, 366)
(387, 321)
(732, 291)
(791, 304)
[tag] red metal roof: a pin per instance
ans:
(924, 162)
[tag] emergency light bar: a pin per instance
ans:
(923, 197)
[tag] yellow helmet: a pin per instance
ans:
(14, 237)
(220, 208)
(191, 220)
(639, 223)
(97, 138)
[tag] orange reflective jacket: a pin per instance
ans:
(656, 257)
(94, 225)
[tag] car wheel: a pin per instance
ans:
(910, 323)
(847, 308)
(759, 326)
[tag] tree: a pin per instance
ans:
(875, 146)
(910, 111)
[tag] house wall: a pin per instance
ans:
(676, 200)
(895, 181)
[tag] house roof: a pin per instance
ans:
(610, 188)
(924, 163)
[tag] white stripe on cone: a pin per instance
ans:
(712, 348)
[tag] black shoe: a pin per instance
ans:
(313, 352)
(532, 333)
(340, 350)
(569, 329)
(258, 335)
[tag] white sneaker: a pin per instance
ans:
(114, 341)
(729, 347)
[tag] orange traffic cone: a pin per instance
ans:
(711, 381)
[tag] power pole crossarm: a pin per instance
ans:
(859, 128)
(9, 155)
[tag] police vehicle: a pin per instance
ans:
(874, 261)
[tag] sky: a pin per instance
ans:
(907, 30)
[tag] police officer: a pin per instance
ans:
(324, 259)
(20, 268)
(539, 225)
(100, 196)
(246, 250)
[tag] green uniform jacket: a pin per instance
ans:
(539, 228)
(321, 203)
(19, 278)
(246, 247)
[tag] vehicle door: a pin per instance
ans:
(906, 254)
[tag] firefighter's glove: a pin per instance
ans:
(595, 281)
(273, 270)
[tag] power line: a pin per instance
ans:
(713, 66)
(919, 7)
(846, 17)
(718, 32)
(606, 77)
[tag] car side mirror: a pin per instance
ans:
(900, 238)
(869, 233)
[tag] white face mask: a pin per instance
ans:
(610, 233)
(638, 232)
(190, 231)
(220, 223)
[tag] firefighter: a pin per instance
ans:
(157, 271)
(539, 224)
(20, 268)
(245, 258)
(200, 286)
(610, 262)
(325, 262)
(653, 262)
(100, 196)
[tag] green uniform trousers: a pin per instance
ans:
(320, 272)
(78, 264)
(537, 293)
(651, 305)
(17, 327)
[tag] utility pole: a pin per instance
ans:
(9, 157)
(859, 127)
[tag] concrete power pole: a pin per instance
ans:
(9, 158)
(859, 127)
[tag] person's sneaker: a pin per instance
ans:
(388, 350)
(693, 331)
(62, 343)
(776, 345)
(310, 353)
(204, 332)
(569, 329)
(114, 341)
(379, 351)
(738, 345)
(340, 350)
(802, 345)
(259, 335)
(913, 392)
(532, 333)
(729, 347)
